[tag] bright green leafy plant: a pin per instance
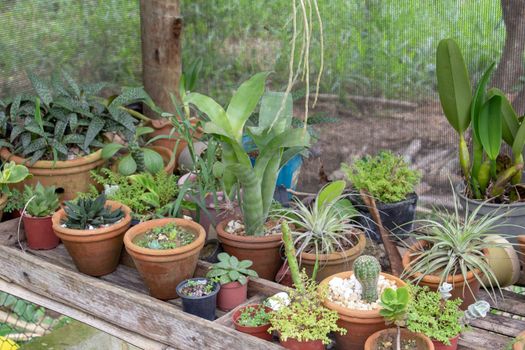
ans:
(394, 304)
(87, 213)
(169, 236)
(41, 201)
(276, 141)
(386, 177)
(254, 316)
(230, 269)
(12, 173)
(488, 173)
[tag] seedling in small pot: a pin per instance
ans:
(254, 320)
(199, 297)
(394, 305)
(169, 236)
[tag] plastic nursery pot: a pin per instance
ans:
(3, 203)
(94, 252)
(293, 344)
(520, 342)
(262, 250)
(163, 269)
(453, 344)
(360, 324)
(232, 295)
(199, 306)
(39, 232)
(212, 248)
(167, 157)
(259, 331)
(330, 264)
(460, 290)
(422, 341)
(69, 177)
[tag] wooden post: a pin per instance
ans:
(161, 29)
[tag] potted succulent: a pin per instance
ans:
(301, 320)
(165, 252)
(233, 276)
(253, 237)
(253, 319)
(394, 304)
(92, 230)
(490, 175)
(453, 248)
(327, 237)
(199, 297)
(41, 203)
(390, 181)
(355, 297)
(10, 174)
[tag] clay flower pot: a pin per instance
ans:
(453, 344)
(69, 176)
(259, 331)
(232, 295)
(521, 247)
(163, 269)
(330, 264)
(95, 252)
(167, 157)
(460, 290)
(360, 324)
(39, 232)
(293, 344)
(3, 203)
(262, 250)
(422, 341)
(520, 341)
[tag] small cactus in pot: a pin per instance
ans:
(367, 270)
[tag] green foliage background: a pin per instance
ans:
(373, 47)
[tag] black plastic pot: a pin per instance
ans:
(199, 306)
(211, 249)
(396, 217)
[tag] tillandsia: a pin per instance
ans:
(488, 172)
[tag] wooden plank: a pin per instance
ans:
(8, 232)
(130, 337)
(511, 302)
(500, 324)
(123, 308)
(478, 339)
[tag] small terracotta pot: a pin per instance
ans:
(453, 344)
(360, 324)
(167, 157)
(232, 295)
(262, 250)
(284, 276)
(293, 344)
(423, 342)
(39, 232)
(71, 176)
(520, 342)
(330, 264)
(3, 203)
(95, 252)
(164, 269)
(460, 290)
(259, 331)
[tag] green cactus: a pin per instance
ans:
(366, 270)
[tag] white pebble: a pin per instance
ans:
(347, 292)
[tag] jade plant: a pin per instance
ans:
(276, 141)
(394, 305)
(89, 214)
(40, 201)
(367, 269)
(488, 172)
(230, 269)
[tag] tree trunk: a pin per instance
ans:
(510, 67)
(161, 29)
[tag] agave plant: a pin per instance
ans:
(89, 213)
(492, 119)
(276, 141)
(41, 201)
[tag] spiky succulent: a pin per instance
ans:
(41, 201)
(366, 270)
(87, 213)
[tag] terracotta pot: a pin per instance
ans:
(284, 276)
(460, 290)
(69, 177)
(360, 324)
(259, 331)
(521, 247)
(3, 203)
(293, 344)
(174, 143)
(232, 295)
(95, 252)
(503, 261)
(520, 342)
(167, 157)
(39, 232)
(423, 342)
(262, 250)
(453, 344)
(164, 269)
(330, 264)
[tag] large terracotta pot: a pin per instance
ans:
(259, 331)
(453, 344)
(39, 232)
(460, 290)
(520, 342)
(263, 251)
(167, 156)
(330, 264)
(422, 341)
(164, 269)
(360, 324)
(521, 246)
(95, 252)
(293, 344)
(3, 203)
(232, 295)
(69, 176)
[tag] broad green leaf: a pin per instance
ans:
(509, 121)
(479, 99)
(42, 89)
(519, 140)
(151, 198)
(454, 88)
(153, 161)
(216, 273)
(271, 104)
(143, 130)
(96, 125)
(110, 149)
(213, 110)
(490, 126)
(242, 280)
(245, 264)
(234, 262)
(127, 165)
(234, 275)
(330, 192)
